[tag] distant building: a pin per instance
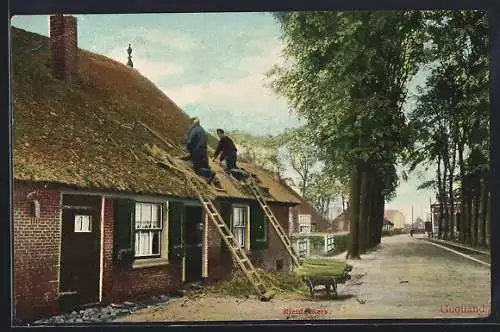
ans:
(396, 217)
(387, 226)
(340, 223)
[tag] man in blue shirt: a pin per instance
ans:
(196, 144)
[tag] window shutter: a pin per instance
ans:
(225, 212)
(123, 244)
(175, 231)
(258, 228)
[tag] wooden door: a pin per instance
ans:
(80, 250)
(193, 243)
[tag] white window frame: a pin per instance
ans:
(329, 243)
(304, 225)
(79, 225)
(151, 230)
(245, 228)
(303, 252)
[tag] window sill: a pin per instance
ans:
(149, 262)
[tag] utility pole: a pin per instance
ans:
(412, 217)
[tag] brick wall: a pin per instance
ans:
(322, 224)
(219, 265)
(36, 252)
(126, 283)
(64, 45)
(266, 259)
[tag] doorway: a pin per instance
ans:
(193, 230)
(80, 253)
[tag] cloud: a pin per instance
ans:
(174, 39)
(153, 70)
(247, 92)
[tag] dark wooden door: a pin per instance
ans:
(193, 243)
(80, 249)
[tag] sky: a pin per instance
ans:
(213, 66)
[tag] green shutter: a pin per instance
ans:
(175, 231)
(123, 244)
(258, 228)
(225, 211)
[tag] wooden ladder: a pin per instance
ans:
(238, 253)
(277, 227)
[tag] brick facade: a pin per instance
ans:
(63, 45)
(36, 252)
(127, 283)
(318, 223)
(267, 259)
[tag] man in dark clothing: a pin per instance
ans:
(196, 144)
(227, 150)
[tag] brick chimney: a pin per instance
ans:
(63, 45)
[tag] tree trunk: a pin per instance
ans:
(369, 209)
(450, 193)
(482, 212)
(476, 211)
(380, 216)
(363, 213)
(373, 211)
(441, 188)
(463, 208)
(354, 207)
(488, 218)
(468, 210)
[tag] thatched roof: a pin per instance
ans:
(88, 133)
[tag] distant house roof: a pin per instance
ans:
(340, 217)
(389, 214)
(304, 202)
(87, 134)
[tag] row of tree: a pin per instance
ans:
(346, 74)
(450, 124)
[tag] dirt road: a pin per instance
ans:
(405, 278)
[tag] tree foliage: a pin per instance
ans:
(346, 74)
(451, 121)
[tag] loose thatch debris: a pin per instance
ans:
(312, 272)
(239, 286)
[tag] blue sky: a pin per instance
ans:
(212, 65)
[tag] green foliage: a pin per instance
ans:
(346, 75)
(452, 111)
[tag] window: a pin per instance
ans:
(303, 247)
(239, 224)
(330, 243)
(304, 223)
(83, 224)
(148, 229)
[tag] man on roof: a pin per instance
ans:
(227, 151)
(196, 144)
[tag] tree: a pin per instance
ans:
(322, 191)
(452, 120)
(302, 155)
(261, 150)
(348, 78)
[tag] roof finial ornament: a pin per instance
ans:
(129, 51)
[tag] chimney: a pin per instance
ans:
(63, 45)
